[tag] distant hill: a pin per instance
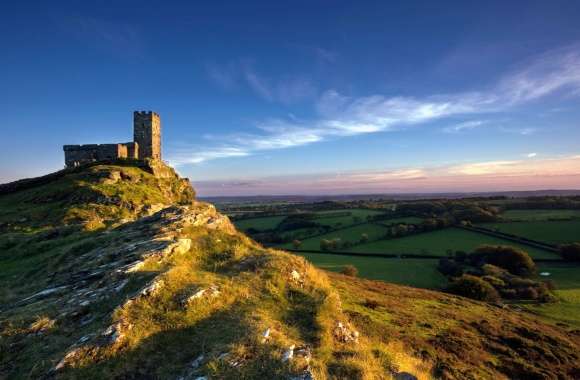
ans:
(117, 271)
(393, 196)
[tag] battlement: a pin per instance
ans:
(146, 113)
(146, 144)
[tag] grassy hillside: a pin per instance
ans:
(464, 339)
(93, 198)
(180, 294)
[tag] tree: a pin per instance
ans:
(364, 238)
(429, 224)
(473, 287)
(349, 270)
(449, 267)
(515, 260)
(570, 252)
(296, 243)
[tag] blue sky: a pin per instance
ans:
(305, 97)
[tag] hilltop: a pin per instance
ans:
(115, 270)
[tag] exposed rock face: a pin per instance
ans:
(104, 271)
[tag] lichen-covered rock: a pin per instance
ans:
(344, 333)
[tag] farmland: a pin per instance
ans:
(326, 218)
(412, 272)
(567, 280)
(439, 242)
(352, 234)
(343, 217)
(259, 224)
(554, 232)
(346, 225)
(531, 215)
(406, 220)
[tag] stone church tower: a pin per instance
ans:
(147, 134)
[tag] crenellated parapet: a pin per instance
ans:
(146, 144)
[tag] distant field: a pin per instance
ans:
(411, 272)
(344, 220)
(408, 220)
(531, 215)
(351, 234)
(438, 242)
(555, 232)
(567, 280)
(259, 224)
(271, 222)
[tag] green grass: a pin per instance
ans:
(90, 195)
(531, 215)
(407, 220)
(438, 242)
(260, 224)
(555, 232)
(566, 276)
(411, 272)
(344, 220)
(567, 280)
(271, 222)
(351, 234)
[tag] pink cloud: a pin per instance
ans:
(528, 174)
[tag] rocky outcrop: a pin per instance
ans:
(105, 271)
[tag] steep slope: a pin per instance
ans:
(121, 290)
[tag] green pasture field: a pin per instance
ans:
(271, 222)
(260, 224)
(555, 232)
(566, 276)
(406, 220)
(534, 215)
(301, 233)
(438, 242)
(351, 234)
(345, 220)
(412, 272)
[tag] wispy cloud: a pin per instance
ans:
(120, 38)
(225, 76)
(525, 131)
(341, 115)
(548, 173)
(243, 73)
(325, 55)
(463, 126)
(555, 70)
(531, 155)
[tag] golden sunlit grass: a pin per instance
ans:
(258, 291)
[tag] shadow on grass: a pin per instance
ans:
(169, 354)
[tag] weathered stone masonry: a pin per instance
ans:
(146, 144)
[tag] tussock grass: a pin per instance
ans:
(162, 333)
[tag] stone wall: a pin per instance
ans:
(147, 134)
(132, 150)
(76, 155)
